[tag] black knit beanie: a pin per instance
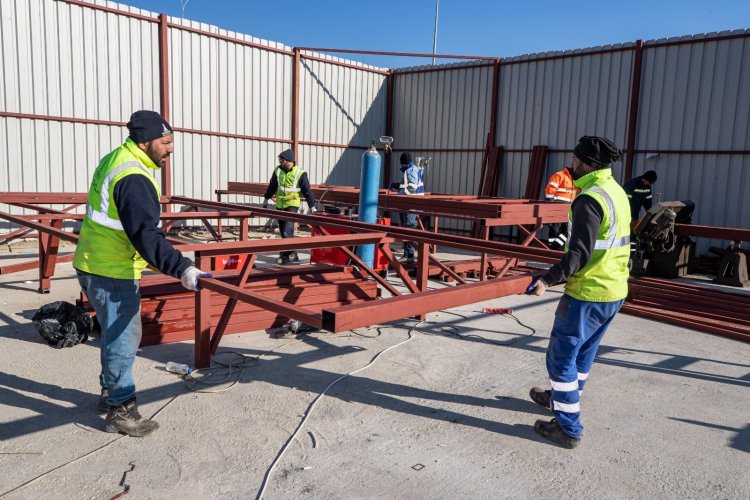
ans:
(405, 158)
(145, 126)
(596, 152)
(287, 155)
(650, 176)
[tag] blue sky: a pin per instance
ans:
(471, 27)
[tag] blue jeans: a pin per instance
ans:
(578, 329)
(408, 220)
(286, 228)
(118, 309)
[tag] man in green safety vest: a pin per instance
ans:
(286, 183)
(119, 238)
(595, 268)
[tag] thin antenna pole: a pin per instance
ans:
(434, 36)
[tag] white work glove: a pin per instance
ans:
(313, 211)
(265, 203)
(190, 277)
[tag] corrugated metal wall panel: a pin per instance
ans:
(443, 109)
(696, 96)
(554, 102)
(340, 105)
(328, 165)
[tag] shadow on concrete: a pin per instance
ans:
(740, 441)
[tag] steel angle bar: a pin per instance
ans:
(48, 198)
(719, 233)
(347, 317)
(292, 311)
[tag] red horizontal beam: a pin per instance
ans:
(719, 233)
(332, 145)
(265, 246)
(66, 119)
(451, 241)
(111, 10)
(230, 135)
(42, 228)
(293, 311)
(399, 72)
(237, 41)
(347, 317)
(346, 65)
(398, 54)
(34, 264)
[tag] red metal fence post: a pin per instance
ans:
(295, 101)
(635, 93)
(202, 320)
(166, 171)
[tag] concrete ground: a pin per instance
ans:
(444, 415)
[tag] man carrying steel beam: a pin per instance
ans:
(595, 268)
(287, 181)
(119, 238)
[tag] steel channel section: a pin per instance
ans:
(347, 317)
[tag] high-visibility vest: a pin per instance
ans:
(561, 187)
(103, 247)
(605, 277)
(287, 194)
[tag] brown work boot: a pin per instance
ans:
(541, 397)
(552, 431)
(103, 405)
(126, 419)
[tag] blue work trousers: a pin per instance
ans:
(408, 220)
(578, 329)
(117, 303)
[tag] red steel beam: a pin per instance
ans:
(347, 317)
(166, 171)
(399, 54)
(25, 266)
(451, 241)
(718, 233)
(299, 243)
(635, 93)
(293, 311)
(42, 228)
(295, 102)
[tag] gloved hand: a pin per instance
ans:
(537, 287)
(190, 277)
(265, 202)
(313, 210)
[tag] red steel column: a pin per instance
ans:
(295, 101)
(202, 319)
(389, 85)
(635, 92)
(166, 171)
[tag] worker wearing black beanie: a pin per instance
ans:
(594, 268)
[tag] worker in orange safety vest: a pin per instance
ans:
(559, 189)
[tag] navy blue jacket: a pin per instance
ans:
(138, 206)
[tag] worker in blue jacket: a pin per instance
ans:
(412, 185)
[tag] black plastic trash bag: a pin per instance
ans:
(62, 324)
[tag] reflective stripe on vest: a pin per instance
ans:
(295, 186)
(612, 240)
(101, 216)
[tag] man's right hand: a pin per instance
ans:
(190, 277)
(265, 202)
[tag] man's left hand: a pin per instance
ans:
(537, 287)
(313, 210)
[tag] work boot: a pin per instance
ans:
(102, 405)
(282, 259)
(126, 419)
(541, 397)
(552, 431)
